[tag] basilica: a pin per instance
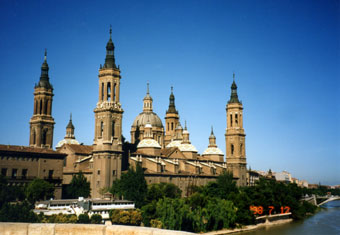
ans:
(165, 152)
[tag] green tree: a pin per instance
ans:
(79, 187)
(83, 219)
(132, 186)
(39, 189)
(96, 219)
(158, 191)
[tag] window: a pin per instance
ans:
(101, 129)
(113, 172)
(64, 162)
(45, 107)
(40, 108)
(4, 171)
(14, 173)
(50, 174)
(44, 136)
(24, 173)
(168, 126)
(35, 107)
(241, 147)
(236, 118)
(172, 126)
(231, 120)
(232, 149)
(108, 91)
(114, 92)
(34, 136)
(98, 172)
(102, 98)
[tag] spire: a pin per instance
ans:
(110, 58)
(147, 101)
(44, 79)
(172, 108)
(212, 139)
(185, 135)
(70, 129)
(234, 96)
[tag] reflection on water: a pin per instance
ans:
(327, 222)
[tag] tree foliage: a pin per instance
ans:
(79, 187)
(126, 217)
(96, 219)
(132, 186)
(39, 189)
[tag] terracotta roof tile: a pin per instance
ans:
(26, 149)
(81, 149)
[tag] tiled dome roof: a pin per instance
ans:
(148, 143)
(143, 118)
(66, 141)
(187, 148)
(212, 151)
(174, 143)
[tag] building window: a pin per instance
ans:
(114, 92)
(4, 171)
(50, 174)
(113, 172)
(24, 173)
(231, 120)
(14, 173)
(236, 118)
(64, 162)
(101, 129)
(241, 148)
(168, 126)
(45, 107)
(98, 172)
(34, 136)
(44, 136)
(102, 98)
(40, 108)
(172, 126)
(35, 107)
(232, 149)
(108, 91)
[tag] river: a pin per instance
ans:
(326, 221)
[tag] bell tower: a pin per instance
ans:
(42, 122)
(107, 145)
(235, 138)
(171, 120)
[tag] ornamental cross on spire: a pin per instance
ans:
(45, 57)
(110, 31)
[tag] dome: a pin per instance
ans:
(147, 117)
(66, 141)
(148, 143)
(174, 143)
(212, 151)
(187, 148)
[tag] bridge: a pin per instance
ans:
(313, 199)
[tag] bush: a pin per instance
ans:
(83, 219)
(130, 217)
(96, 219)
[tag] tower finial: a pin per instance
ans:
(147, 89)
(110, 31)
(185, 125)
(172, 89)
(234, 76)
(212, 130)
(45, 57)
(70, 116)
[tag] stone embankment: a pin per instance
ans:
(81, 229)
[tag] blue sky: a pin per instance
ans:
(285, 55)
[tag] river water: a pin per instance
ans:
(326, 221)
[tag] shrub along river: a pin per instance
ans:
(326, 221)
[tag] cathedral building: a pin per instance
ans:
(165, 152)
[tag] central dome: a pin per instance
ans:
(147, 117)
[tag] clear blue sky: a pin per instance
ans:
(285, 55)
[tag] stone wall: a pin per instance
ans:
(80, 229)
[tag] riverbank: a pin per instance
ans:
(249, 227)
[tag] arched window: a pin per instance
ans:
(44, 137)
(232, 149)
(172, 126)
(108, 91)
(102, 98)
(101, 129)
(45, 108)
(236, 118)
(114, 92)
(35, 106)
(40, 107)
(34, 136)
